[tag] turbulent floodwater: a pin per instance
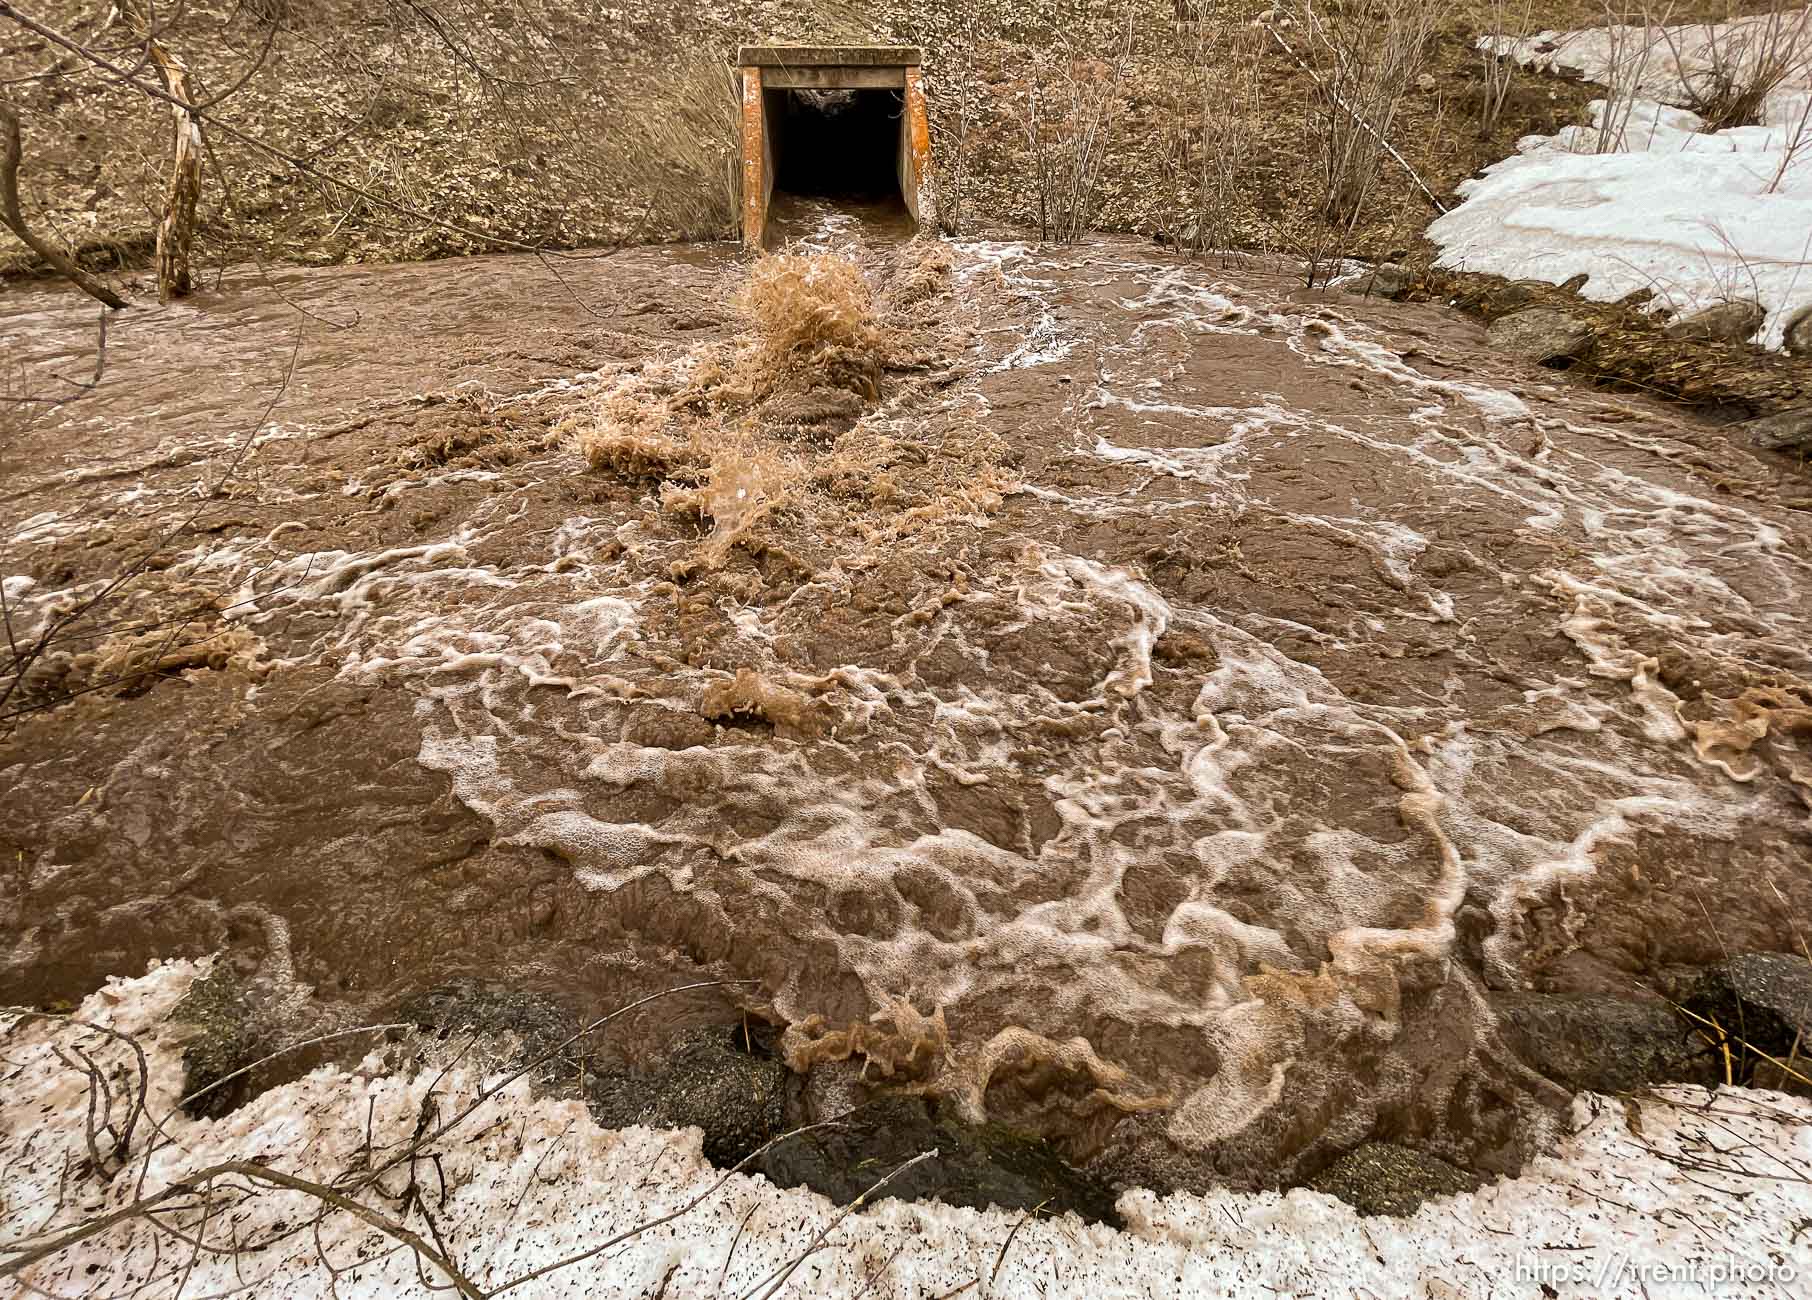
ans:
(1199, 700)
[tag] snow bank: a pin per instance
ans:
(1651, 200)
(1689, 1193)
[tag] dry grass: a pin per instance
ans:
(1744, 65)
(680, 146)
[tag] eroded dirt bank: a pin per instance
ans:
(1147, 694)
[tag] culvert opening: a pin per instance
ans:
(837, 144)
(838, 122)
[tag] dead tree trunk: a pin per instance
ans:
(13, 217)
(176, 231)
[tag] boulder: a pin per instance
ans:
(1762, 1002)
(1592, 1043)
(1799, 332)
(1783, 431)
(1727, 322)
(471, 1006)
(1385, 1178)
(976, 1166)
(1779, 982)
(736, 1098)
(1541, 334)
(1387, 280)
(227, 1032)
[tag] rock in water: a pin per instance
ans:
(1542, 334)
(1387, 280)
(1783, 431)
(975, 1166)
(1777, 981)
(1728, 322)
(1384, 1178)
(736, 1098)
(1758, 1008)
(229, 1033)
(1601, 1044)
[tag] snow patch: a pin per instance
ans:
(1645, 196)
(1681, 1192)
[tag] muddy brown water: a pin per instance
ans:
(1316, 674)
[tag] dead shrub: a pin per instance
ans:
(1074, 103)
(1497, 66)
(682, 144)
(1742, 63)
(1372, 52)
(1211, 131)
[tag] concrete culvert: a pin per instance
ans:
(840, 121)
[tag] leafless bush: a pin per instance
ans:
(955, 107)
(1212, 131)
(1370, 52)
(1796, 142)
(409, 81)
(1632, 33)
(1728, 70)
(1497, 70)
(1073, 106)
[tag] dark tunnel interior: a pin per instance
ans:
(836, 143)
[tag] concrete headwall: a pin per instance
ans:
(768, 70)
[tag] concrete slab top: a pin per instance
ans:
(830, 56)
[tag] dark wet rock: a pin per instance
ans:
(1387, 280)
(1779, 982)
(737, 1098)
(1541, 334)
(1519, 293)
(1729, 322)
(1758, 1007)
(1799, 333)
(975, 1166)
(1384, 1178)
(1600, 1044)
(480, 1007)
(228, 1034)
(1574, 283)
(1783, 431)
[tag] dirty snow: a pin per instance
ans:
(1683, 1193)
(1643, 196)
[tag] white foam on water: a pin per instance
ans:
(1318, 843)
